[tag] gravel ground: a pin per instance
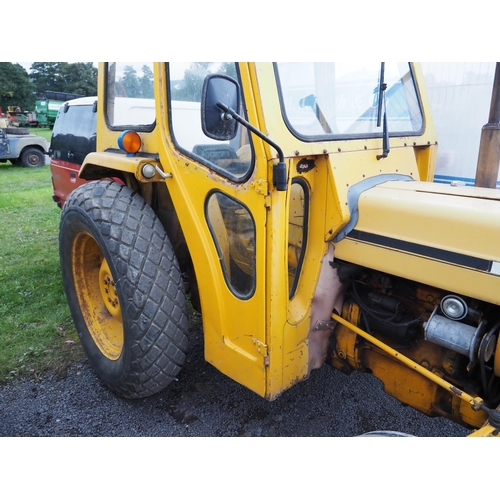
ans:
(205, 402)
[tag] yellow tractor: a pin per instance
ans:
(293, 205)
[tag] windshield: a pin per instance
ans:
(340, 100)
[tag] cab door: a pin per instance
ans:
(220, 190)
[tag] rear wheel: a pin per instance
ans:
(124, 288)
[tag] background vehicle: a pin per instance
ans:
(18, 118)
(46, 109)
(239, 183)
(22, 148)
(73, 137)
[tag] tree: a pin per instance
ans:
(130, 82)
(146, 83)
(193, 83)
(191, 87)
(133, 86)
(45, 76)
(16, 89)
(78, 78)
(73, 78)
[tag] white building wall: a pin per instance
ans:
(460, 95)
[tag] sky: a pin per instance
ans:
(266, 31)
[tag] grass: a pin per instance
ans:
(36, 331)
(42, 132)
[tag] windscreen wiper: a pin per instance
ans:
(381, 99)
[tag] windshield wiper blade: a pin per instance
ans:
(381, 99)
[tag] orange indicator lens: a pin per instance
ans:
(129, 141)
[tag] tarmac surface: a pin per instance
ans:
(206, 403)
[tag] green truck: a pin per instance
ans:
(46, 109)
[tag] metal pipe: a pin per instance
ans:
(475, 402)
(489, 147)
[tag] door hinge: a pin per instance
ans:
(260, 186)
(262, 349)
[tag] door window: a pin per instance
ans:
(233, 230)
(232, 159)
(297, 231)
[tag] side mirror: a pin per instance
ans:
(216, 123)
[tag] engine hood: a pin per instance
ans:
(445, 236)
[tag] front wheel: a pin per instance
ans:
(32, 157)
(124, 288)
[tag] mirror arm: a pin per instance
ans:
(279, 170)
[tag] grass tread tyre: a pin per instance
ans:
(148, 284)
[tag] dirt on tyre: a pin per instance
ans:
(124, 288)
(32, 158)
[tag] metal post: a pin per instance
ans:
(489, 148)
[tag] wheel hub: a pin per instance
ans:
(108, 290)
(33, 159)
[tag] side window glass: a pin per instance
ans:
(297, 231)
(233, 230)
(233, 159)
(130, 99)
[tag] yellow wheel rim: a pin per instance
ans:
(97, 297)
